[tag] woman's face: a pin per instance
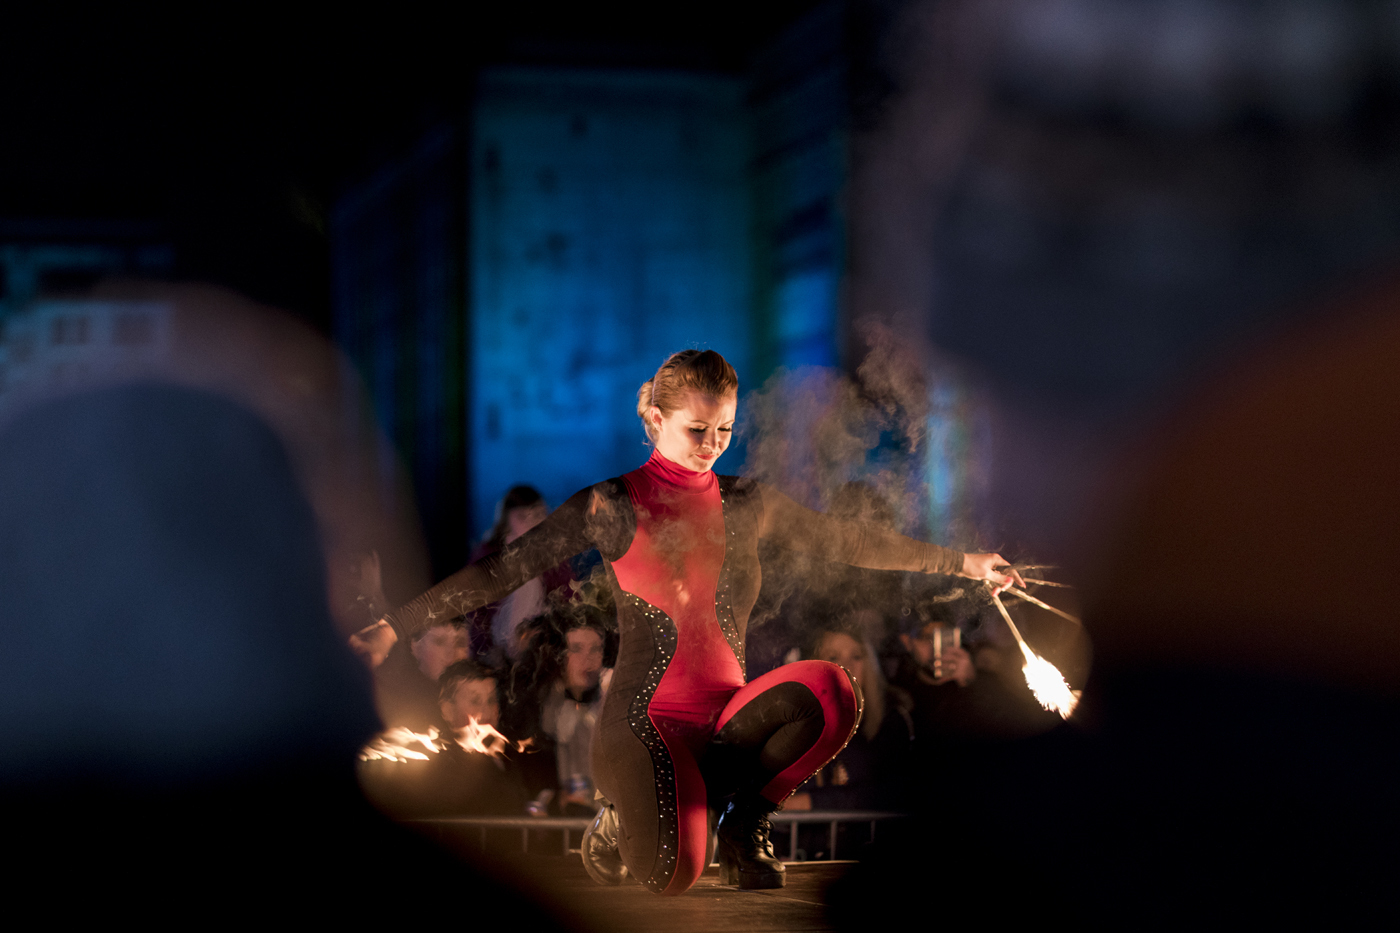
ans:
(842, 649)
(584, 661)
(694, 435)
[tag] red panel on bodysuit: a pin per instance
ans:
(674, 564)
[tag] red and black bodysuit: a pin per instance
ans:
(680, 729)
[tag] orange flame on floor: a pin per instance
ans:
(478, 737)
(400, 744)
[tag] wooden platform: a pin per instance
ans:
(709, 907)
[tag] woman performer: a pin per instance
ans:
(680, 729)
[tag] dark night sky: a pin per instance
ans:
(236, 131)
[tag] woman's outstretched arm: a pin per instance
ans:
(594, 517)
(862, 544)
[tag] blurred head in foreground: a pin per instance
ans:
(163, 585)
(175, 701)
(1236, 741)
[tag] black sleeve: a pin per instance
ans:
(860, 544)
(600, 516)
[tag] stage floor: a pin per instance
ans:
(709, 907)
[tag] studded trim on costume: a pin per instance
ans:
(724, 605)
(860, 713)
(663, 630)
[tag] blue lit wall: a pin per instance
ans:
(799, 106)
(41, 258)
(610, 226)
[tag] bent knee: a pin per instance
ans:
(830, 682)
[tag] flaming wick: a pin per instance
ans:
(1044, 678)
(1022, 594)
(477, 736)
(398, 744)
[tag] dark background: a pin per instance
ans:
(1100, 245)
(1116, 225)
(233, 134)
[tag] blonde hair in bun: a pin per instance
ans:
(702, 370)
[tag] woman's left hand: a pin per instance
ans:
(993, 568)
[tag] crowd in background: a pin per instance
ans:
(935, 670)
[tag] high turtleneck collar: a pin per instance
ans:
(676, 476)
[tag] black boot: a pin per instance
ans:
(745, 853)
(601, 857)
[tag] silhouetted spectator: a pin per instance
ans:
(935, 672)
(956, 700)
(180, 717)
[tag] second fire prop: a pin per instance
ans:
(1044, 678)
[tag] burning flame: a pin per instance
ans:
(1045, 680)
(477, 737)
(400, 744)
(397, 744)
(1048, 684)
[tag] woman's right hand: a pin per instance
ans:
(373, 642)
(993, 568)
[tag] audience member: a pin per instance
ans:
(570, 712)
(495, 629)
(935, 670)
(406, 684)
(558, 689)
(177, 705)
(872, 771)
(958, 708)
(472, 772)
(469, 694)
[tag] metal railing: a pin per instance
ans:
(567, 825)
(832, 817)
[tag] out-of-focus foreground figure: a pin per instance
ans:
(179, 712)
(1163, 235)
